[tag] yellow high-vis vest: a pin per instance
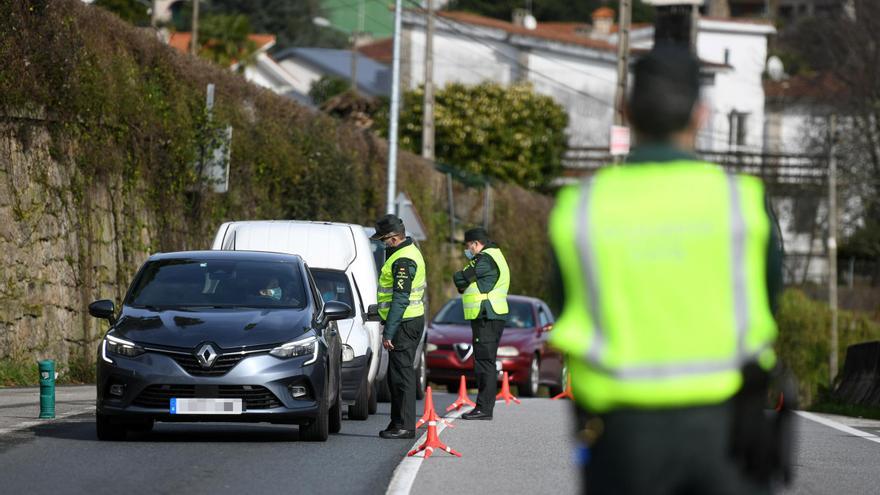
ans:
(471, 298)
(385, 293)
(664, 267)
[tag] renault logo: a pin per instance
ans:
(463, 351)
(206, 355)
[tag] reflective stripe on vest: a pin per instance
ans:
(617, 303)
(472, 298)
(385, 291)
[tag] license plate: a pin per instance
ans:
(206, 406)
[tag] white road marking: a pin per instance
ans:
(405, 474)
(838, 426)
(27, 424)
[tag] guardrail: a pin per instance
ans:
(773, 168)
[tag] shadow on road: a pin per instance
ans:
(173, 432)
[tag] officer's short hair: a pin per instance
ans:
(666, 86)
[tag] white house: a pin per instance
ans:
(575, 63)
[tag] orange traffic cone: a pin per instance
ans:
(566, 394)
(463, 399)
(505, 392)
(432, 442)
(430, 414)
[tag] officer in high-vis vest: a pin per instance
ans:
(670, 267)
(401, 292)
(483, 284)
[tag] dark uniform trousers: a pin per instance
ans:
(402, 377)
(664, 452)
(486, 334)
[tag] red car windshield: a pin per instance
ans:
(520, 315)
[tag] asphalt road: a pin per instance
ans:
(526, 449)
(64, 456)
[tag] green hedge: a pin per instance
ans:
(804, 341)
(123, 108)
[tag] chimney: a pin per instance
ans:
(603, 21)
(718, 8)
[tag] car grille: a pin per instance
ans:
(221, 366)
(253, 396)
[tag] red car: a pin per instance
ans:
(523, 351)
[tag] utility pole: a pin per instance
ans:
(195, 28)
(624, 16)
(354, 40)
(395, 110)
(428, 104)
(832, 243)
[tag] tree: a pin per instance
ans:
(224, 40)
(327, 87)
(846, 48)
(550, 10)
(133, 11)
(511, 133)
(290, 21)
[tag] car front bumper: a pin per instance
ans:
(262, 382)
(445, 366)
(352, 374)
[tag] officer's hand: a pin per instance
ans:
(387, 344)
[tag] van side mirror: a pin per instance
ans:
(336, 310)
(372, 313)
(103, 309)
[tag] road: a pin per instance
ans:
(526, 449)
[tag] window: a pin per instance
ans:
(543, 320)
(333, 286)
(737, 136)
(185, 282)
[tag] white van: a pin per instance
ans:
(341, 261)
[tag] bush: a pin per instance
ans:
(327, 87)
(511, 133)
(804, 341)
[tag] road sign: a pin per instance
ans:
(619, 140)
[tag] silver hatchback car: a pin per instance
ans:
(220, 336)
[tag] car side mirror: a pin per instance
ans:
(546, 328)
(372, 313)
(336, 310)
(103, 309)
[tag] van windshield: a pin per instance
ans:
(178, 283)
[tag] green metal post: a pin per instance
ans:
(47, 389)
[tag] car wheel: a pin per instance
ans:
(318, 430)
(107, 430)
(374, 398)
(422, 382)
(529, 388)
(360, 410)
(384, 390)
(563, 379)
(335, 419)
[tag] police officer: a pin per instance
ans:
(669, 268)
(401, 292)
(483, 284)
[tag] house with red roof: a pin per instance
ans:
(576, 64)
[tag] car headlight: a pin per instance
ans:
(508, 351)
(347, 353)
(430, 347)
(303, 347)
(120, 347)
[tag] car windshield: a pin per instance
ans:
(520, 315)
(180, 283)
(333, 286)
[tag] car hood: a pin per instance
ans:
(228, 328)
(454, 334)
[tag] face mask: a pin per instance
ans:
(468, 254)
(275, 293)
